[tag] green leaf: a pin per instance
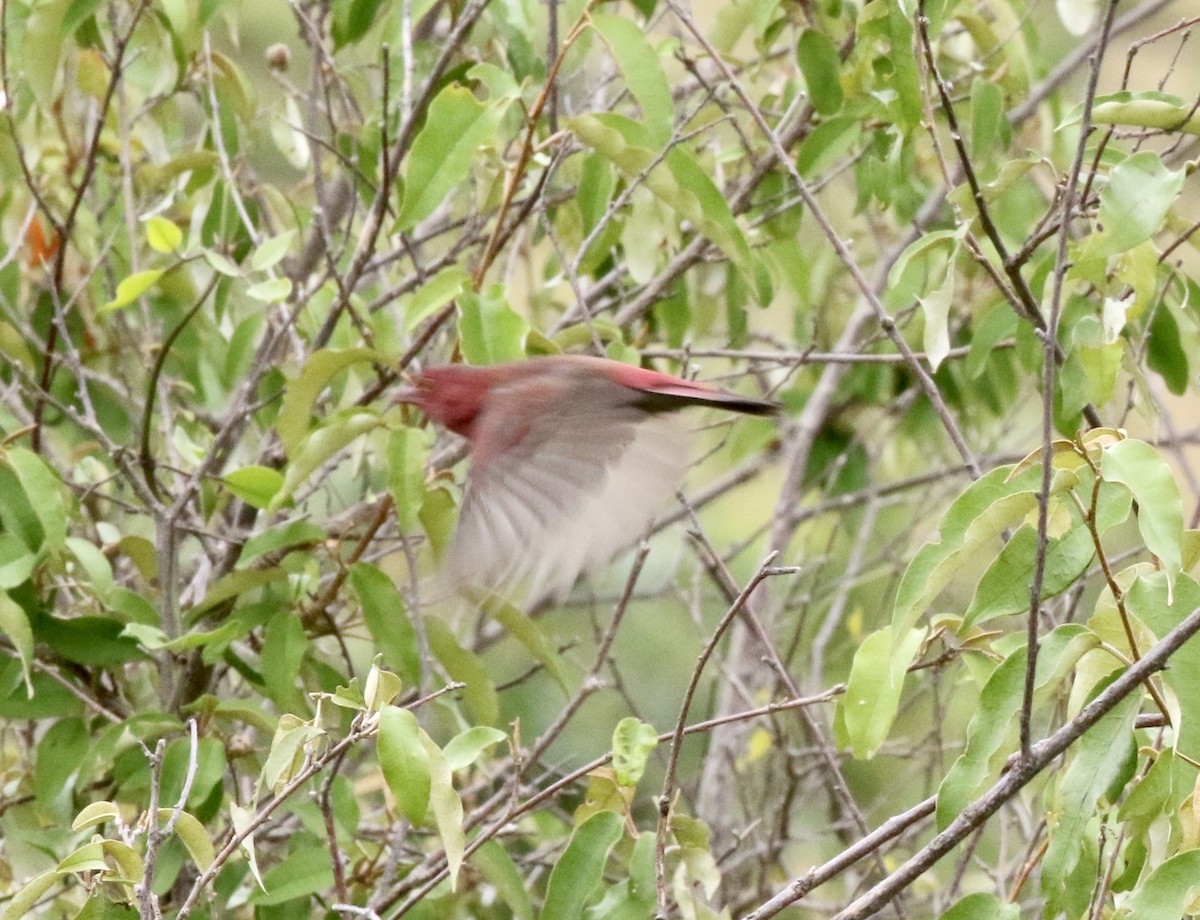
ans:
(94, 574)
(93, 814)
(989, 125)
(458, 124)
(1142, 470)
(1133, 204)
(1166, 354)
(405, 762)
(1149, 601)
(88, 858)
(320, 447)
(15, 625)
(821, 65)
(643, 73)
(986, 734)
(979, 515)
(826, 144)
(353, 19)
(16, 561)
(489, 330)
(526, 631)
(163, 235)
(435, 294)
(633, 898)
(255, 485)
(1096, 760)
(993, 726)
(387, 620)
(271, 251)
(1167, 892)
(913, 263)
(281, 537)
(130, 865)
(194, 836)
(682, 185)
(1152, 109)
(241, 819)
(86, 640)
(579, 870)
(44, 492)
(59, 754)
(305, 871)
(221, 264)
(447, 808)
(495, 865)
(41, 48)
(273, 290)
(872, 697)
(462, 665)
(633, 742)
(464, 748)
(438, 514)
(302, 392)
(27, 897)
(982, 906)
(1005, 586)
(283, 650)
(1159, 792)
(380, 688)
(286, 756)
(233, 585)
(407, 450)
(133, 287)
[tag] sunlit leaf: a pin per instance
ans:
(1142, 470)
(447, 808)
(163, 235)
(466, 747)
(271, 251)
(868, 707)
(405, 762)
(1133, 204)
(93, 814)
(133, 287)
(255, 485)
(271, 291)
(633, 742)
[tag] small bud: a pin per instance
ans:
(279, 56)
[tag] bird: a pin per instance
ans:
(571, 456)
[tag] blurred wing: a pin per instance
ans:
(579, 475)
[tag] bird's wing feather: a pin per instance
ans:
(566, 473)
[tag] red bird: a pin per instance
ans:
(570, 458)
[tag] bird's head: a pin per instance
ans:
(451, 395)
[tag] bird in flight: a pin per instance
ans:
(571, 456)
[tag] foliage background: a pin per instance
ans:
(942, 234)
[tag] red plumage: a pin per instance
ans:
(570, 458)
